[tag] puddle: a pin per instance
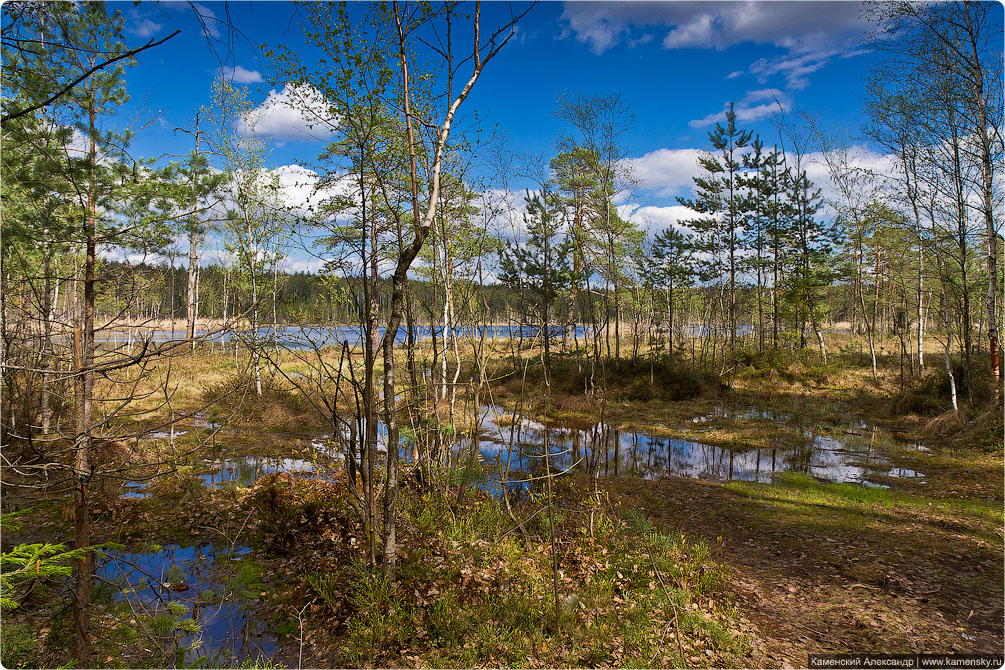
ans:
(244, 471)
(135, 491)
(163, 434)
(730, 413)
(237, 471)
(848, 451)
(214, 588)
(856, 454)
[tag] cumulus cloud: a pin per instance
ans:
(297, 113)
(859, 158)
(307, 265)
(665, 172)
(506, 211)
(654, 219)
(299, 188)
(240, 75)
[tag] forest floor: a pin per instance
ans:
(665, 572)
(817, 567)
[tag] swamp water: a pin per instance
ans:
(512, 451)
(508, 454)
(214, 588)
(851, 452)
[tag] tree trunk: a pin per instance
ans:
(46, 334)
(193, 247)
(84, 385)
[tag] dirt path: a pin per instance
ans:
(813, 572)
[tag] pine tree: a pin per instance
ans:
(778, 214)
(811, 245)
(757, 196)
(105, 198)
(719, 197)
(673, 268)
(540, 267)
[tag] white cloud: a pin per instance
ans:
(655, 219)
(764, 94)
(297, 113)
(858, 158)
(240, 75)
(747, 111)
(506, 211)
(308, 265)
(207, 18)
(810, 34)
(717, 25)
(141, 26)
(743, 114)
(665, 172)
(794, 67)
(298, 188)
(699, 33)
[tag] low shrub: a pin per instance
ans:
(297, 514)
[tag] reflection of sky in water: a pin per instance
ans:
(854, 456)
(135, 491)
(226, 630)
(161, 434)
(244, 471)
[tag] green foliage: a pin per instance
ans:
(20, 646)
(474, 591)
(540, 266)
(26, 563)
(247, 583)
(325, 585)
(381, 619)
(260, 662)
(719, 199)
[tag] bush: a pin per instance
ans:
(295, 512)
(629, 379)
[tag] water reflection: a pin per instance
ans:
(246, 470)
(211, 586)
(517, 447)
(512, 452)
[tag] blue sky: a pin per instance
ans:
(678, 63)
(583, 47)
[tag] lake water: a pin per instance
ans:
(510, 455)
(309, 337)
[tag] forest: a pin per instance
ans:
(431, 397)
